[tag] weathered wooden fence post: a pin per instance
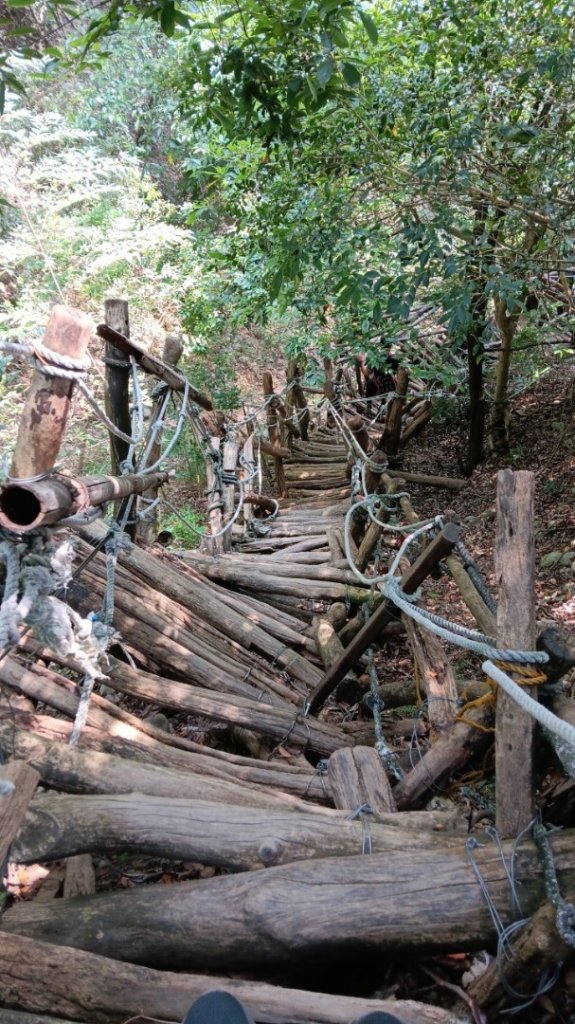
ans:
(274, 433)
(515, 729)
(171, 355)
(329, 389)
(47, 403)
(297, 398)
(229, 464)
(117, 397)
(211, 543)
(390, 439)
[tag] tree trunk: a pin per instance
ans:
(499, 425)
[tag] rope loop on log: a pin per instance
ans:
(387, 756)
(35, 569)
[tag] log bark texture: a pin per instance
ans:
(515, 729)
(47, 402)
(235, 838)
(47, 979)
(427, 901)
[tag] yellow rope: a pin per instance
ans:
(531, 676)
(528, 676)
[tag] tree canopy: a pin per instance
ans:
(349, 160)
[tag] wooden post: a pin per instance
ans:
(389, 441)
(298, 399)
(245, 473)
(47, 403)
(515, 568)
(215, 501)
(274, 435)
(117, 382)
(171, 355)
(329, 389)
(117, 401)
(230, 461)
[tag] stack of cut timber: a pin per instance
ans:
(231, 646)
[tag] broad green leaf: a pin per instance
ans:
(181, 19)
(369, 26)
(350, 74)
(325, 71)
(20, 3)
(168, 18)
(339, 37)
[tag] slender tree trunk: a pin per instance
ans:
(499, 426)
(476, 438)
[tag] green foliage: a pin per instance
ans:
(187, 528)
(81, 224)
(343, 162)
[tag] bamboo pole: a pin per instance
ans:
(28, 506)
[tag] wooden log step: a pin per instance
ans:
(147, 629)
(235, 838)
(258, 581)
(299, 557)
(299, 780)
(252, 920)
(357, 779)
(95, 989)
(322, 485)
(241, 569)
(194, 642)
(201, 600)
(76, 771)
(328, 495)
(448, 482)
(280, 544)
(275, 722)
(284, 627)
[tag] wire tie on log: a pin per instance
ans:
(300, 716)
(505, 933)
(362, 813)
(320, 771)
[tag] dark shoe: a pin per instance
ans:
(378, 1017)
(217, 1008)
